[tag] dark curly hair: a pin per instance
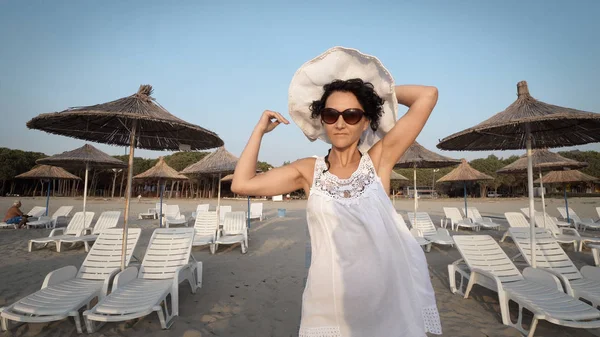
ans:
(365, 94)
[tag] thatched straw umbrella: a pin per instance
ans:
(136, 120)
(228, 177)
(49, 173)
(416, 156)
(464, 172)
(216, 163)
(161, 172)
(564, 177)
(542, 161)
(396, 176)
(526, 124)
(84, 157)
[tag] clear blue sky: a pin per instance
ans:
(219, 64)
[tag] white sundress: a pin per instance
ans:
(368, 276)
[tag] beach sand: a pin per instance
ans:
(259, 293)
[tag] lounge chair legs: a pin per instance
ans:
(165, 319)
(77, 319)
(92, 326)
(472, 281)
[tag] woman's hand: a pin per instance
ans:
(269, 121)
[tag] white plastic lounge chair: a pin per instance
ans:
(453, 215)
(108, 219)
(222, 211)
(66, 291)
(417, 234)
(515, 220)
(235, 230)
(421, 240)
(36, 212)
(206, 226)
(564, 235)
(76, 227)
(559, 223)
(152, 212)
(173, 217)
(595, 253)
(551, 257)
(578, 222)
(50, 222)
(485, 263)
(439, 236)
(475, 217)
(4, 225)
(200, 208)
(155, 287)
(256, 211)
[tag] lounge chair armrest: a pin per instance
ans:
(53, 232)
(591, 272)
(573, 231)
(587, 220)
(486, 274)
(194, 215)
(87, 230)
(124, 277)
(179, 273)
(416, 232)
(542, 276)
(486, 219)
(59, 275)
(109, 281)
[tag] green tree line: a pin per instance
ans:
(14, 162)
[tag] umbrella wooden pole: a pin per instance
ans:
(219, 198)
(566, 203)
(128, 192)
(415, 192)
(162, 191)
(543, 202)
(85, 183)
(48, 198)
(530, 190)
(248, 212)
(465, 192)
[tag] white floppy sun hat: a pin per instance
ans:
(339, 63)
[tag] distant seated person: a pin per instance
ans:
(15, 216)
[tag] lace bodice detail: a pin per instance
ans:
(349, 190)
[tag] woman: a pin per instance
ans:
(368, 276)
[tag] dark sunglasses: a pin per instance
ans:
(351, 116)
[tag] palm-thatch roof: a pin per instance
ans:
(228, 177)
(418, 156)
(219, 161)
(464, 172)
(161, 171)
(397, 176)
(47, 172)
(112, 122)
(78, 158)
(566, 176)
(542, 160)
(550, 126)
